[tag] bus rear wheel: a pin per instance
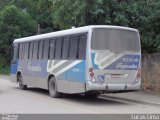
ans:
(53, 88)
(21, 85)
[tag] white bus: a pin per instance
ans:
(88, 60)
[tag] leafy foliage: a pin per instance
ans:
(14, 23)
(20, 18)
(140, 14)
(40, 11)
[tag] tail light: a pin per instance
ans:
(138, 77)
(91, 73)
(90, 69)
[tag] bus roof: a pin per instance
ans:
(69, 32)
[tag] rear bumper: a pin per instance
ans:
(112, 87)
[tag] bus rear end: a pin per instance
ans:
(115, 60)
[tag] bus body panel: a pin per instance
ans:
(114, 71)
(115, 75)
(34, 72)
(72, 76)
(121, 69)
(70, 79)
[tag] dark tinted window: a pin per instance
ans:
(35, 50)
(20, 51)
(65, 48)
(40, 52)
(46, 49)
(115, 40)
(58, 48)
(68, 47)
(73, 47)
(31, 50)
(15, 53)
(82, 46)
(26, 50)
(52, 48)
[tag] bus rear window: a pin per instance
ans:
(115, 40)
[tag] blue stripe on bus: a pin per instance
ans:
(76, 73)
(14, 68)
(38, 68)
(126, 62)
(93, 64)
(35, 68)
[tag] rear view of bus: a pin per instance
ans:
(115, 59)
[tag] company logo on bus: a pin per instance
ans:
(115, 61)
(121, 66)
(34, 68)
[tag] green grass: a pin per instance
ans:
(4, 69)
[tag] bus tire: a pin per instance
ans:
(21, 85)
(53, 88)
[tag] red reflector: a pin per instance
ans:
(90, 69)
(91, 74)
(139, 73)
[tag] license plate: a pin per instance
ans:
(115, 75)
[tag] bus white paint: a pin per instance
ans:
(90, 60)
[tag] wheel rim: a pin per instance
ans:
(20, 81)
(52, 87)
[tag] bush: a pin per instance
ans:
(4, 69)
(4, 66)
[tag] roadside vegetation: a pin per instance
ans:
(4, 70)
(4, 67)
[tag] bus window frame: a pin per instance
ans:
(15, 56)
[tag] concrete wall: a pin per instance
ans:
(151, 72)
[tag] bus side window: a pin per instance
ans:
(31, 50)
(35, 50)
(58, 51)
(23, 50)
(26, 50)
(82, 47)
(15, 53)
(52, 49)
(73, 47)
(46, 49)
(65, 48)
(40, 52)
(20, 51)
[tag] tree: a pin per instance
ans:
(14, 23)
(140, 14)
(19, 18)
(68, 13)
(3, 3)
(39, 10)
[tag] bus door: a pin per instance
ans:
(14, 62)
